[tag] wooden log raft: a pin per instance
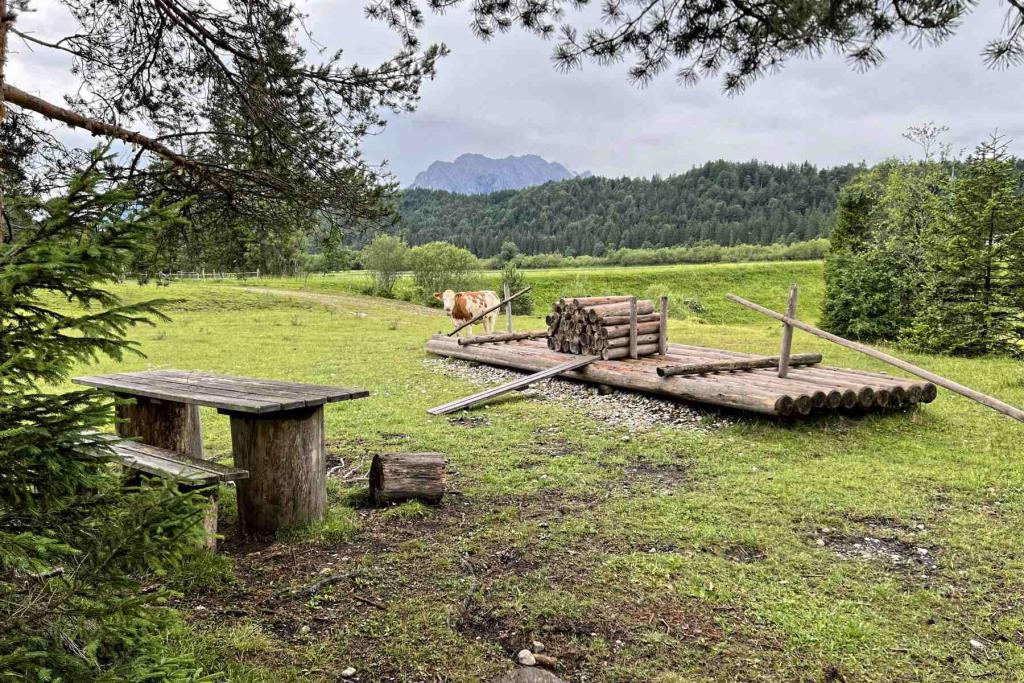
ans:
(397, 477)
(606, 326)
(727, 365)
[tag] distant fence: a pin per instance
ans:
(212, 275)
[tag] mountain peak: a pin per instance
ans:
(478, 174)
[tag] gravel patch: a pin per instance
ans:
(632, 411)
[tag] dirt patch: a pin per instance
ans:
(470, 421)
(662, 478)
(887, 544)
(634, 412)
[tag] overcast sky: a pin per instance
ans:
(505, 97)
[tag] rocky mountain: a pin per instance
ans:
(477, 174)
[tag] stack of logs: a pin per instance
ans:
(601, 326)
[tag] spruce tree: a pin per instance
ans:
(973, 298)
(74, 541)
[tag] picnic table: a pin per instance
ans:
(277, 434)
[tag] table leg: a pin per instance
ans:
(176, 427)
(284, 454)
(167, 424)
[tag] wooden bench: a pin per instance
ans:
(277, 435)
(182, 468)
(190, 474)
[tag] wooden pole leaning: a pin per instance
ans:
(489, 310)
(787, 333)
(967, 392)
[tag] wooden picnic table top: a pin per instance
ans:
(224, 392)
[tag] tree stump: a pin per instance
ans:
(167, 424)
(395, 477)
(284, 454)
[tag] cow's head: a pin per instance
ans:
(447, 300)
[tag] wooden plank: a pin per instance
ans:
(663, 330)
(787, 333)
(267, 388)
(967, 392)
(237, 394)
(308, 391)
(731, 365)
(520, 383)
(178, 466)
(489, 310)
(502, 337)
(134, 387)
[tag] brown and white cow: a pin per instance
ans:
(464, 306)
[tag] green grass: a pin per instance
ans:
(674, 556)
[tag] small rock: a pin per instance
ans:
(922, 551)
(350, 672)
(304, 630)
(820, 541)
(526, 658)
(626, 439)
(537, 646)
(977, 644)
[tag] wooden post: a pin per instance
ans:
(663, 330)
(787, 333)
(632, 327)
(967, 392)
(284, 454)
(508, 307)
(395, 477)
(166, 424)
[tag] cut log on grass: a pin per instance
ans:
(397, 477)
(728, 365)
(967, 392)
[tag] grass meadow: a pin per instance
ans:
(861, 548)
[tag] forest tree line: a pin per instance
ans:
(724, 203)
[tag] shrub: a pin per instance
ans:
(515, 280)
(438, 266)
(385, 257)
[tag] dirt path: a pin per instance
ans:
(369, 307)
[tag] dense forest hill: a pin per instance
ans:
(721, 202)
(477, 174)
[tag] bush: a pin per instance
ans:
(438, 266)
(515, 280)
(385, 257)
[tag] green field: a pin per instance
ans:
(671, 555)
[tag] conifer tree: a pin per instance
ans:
(73, 540)
(973, 298)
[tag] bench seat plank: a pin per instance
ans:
(177, 466)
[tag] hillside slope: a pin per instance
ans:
(721, 202)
